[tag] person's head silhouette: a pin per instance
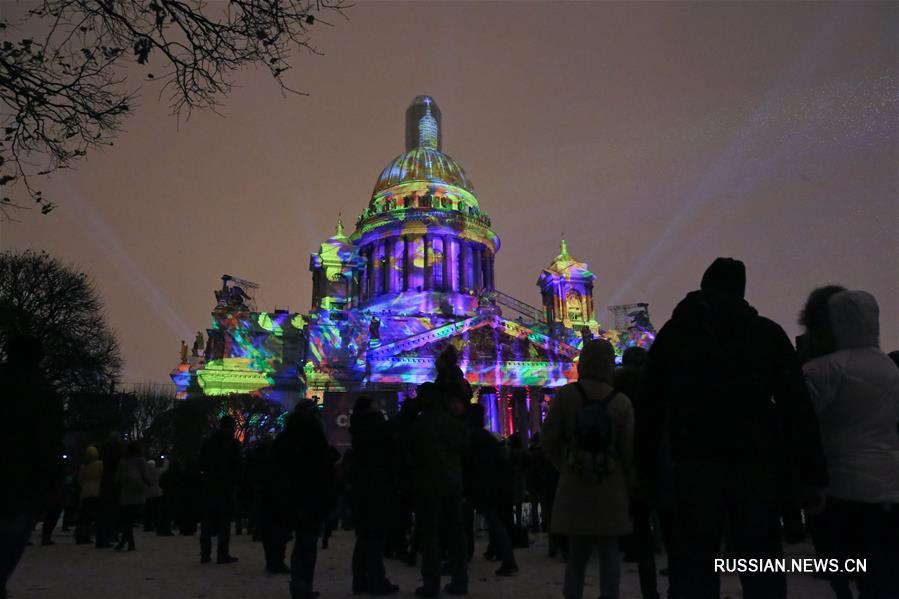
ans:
(725, 275)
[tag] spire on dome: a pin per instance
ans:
(564, 253)
(339, 232)
(423, 122)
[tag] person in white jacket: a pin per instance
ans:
(855, 392)
(154, 494)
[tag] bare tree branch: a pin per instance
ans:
(67, 95)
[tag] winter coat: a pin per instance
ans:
(484, 464)
(438, 441)
(133, 476)
(855, 391)
(153, 475)
(583, 504)
(371, 476)
(305, 473)
(90, 474)
(727, 385)
(220, 462)
(31, 445)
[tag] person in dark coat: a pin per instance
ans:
(274, 509)
(438, 440)
(727, 390)
(371, 482)
(108, 516)
(31, 447)
(486, 462)
(220, 467)
(630, 379)
(134, 482)
(400, 543)
(302, 456)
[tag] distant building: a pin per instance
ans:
(416, 275)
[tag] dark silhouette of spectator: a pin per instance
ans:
(167, 504)
(855, 392)
(726, 388)
(189, 497)
(31, 448)
(72, 493)
(535, 483)
(438, 439)
(107, 522)
(258, 460)
(154, 494)
(220, 468)
(243, 500)
(371, 482)
(275, 514)
(56, 502)
(485, 486)
(89, 476)
(512, 499)
(400, 543)
(344, 509)
(302, 455)
(591, 503)
(631, 380)
(134, 482)
(332, 521)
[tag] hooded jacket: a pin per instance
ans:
(154, 473)
(90, 474)
(855, 392)
(727, 384)
(585, 504)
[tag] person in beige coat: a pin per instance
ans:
(590, 509)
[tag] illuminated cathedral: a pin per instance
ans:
(414, 276)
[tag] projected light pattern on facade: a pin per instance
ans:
(416, 275)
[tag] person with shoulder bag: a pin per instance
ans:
(588, 436)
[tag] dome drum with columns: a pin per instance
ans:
(415, 276)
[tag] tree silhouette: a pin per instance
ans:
(41, 296)
(66, 93)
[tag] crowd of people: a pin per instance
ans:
(721, 439)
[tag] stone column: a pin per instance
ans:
(447, 286)
(491, 283)
(370, 273)
(534, 415)
(396, 275)
(407, 268)
(469, 265)
(460, 265)
(478, 267)
(376, 258)
(427, 261)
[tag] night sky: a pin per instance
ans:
(654, 136)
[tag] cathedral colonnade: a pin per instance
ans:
(425, 262)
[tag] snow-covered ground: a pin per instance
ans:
(169, 567)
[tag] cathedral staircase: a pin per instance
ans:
(531, 313)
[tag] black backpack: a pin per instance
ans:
(591, 447)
